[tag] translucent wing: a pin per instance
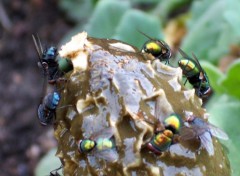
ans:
(193, 129)
(217, 132)
(40, 44)
(109, 155)
(187, 133)
(199, 125)
(163, 44)
(206, 142)
(105, 133)
(202, 126)
(184, 55)
(199, 65)
(38, 48)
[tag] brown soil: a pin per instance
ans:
(23, 140)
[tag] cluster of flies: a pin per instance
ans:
(170, 130)
(173, 129)
(52, 74)
(49, 63)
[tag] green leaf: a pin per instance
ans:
(77, 10)
(134, 21)
(224, 111)
(66, 38)
(231, 81)
(214, 30)
(164, 8)
(48, 163)
(106, 17)
(197, 9)
(144, 1)
(214, 76)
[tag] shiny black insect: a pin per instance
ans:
(158, 48)
(195, 75)
(48, 61)
(47, 109)
(52, 74)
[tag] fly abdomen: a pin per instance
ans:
(52, 100)
(188, 67)
(47, 110)
(45, 115)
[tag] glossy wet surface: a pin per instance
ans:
(114, 85)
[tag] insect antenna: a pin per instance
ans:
(184, 55)
(146, 35)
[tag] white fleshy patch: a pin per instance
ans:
(175, 84)
(122, 46)
(75, 50)
(189, 94)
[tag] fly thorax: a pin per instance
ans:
(86, 145)
(173, 123)
(152, 48)
(51, 52)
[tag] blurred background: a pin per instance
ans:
(210, 29)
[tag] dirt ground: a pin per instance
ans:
(23, 141)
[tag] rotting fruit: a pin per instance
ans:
(113, 85)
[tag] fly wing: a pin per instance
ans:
(196, 60)
(184, 55)
(105, 133)
(187, 133)
(217, 132)
(206, 142)
(163, 44)
(38, 48)
(110, 155)
(40, 44)
(192, 131)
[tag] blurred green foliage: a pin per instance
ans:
(212, 26)
(77, 10)
(232, 79)
(224, 111)
(104, 24)
(130, 25)
(48, 163)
